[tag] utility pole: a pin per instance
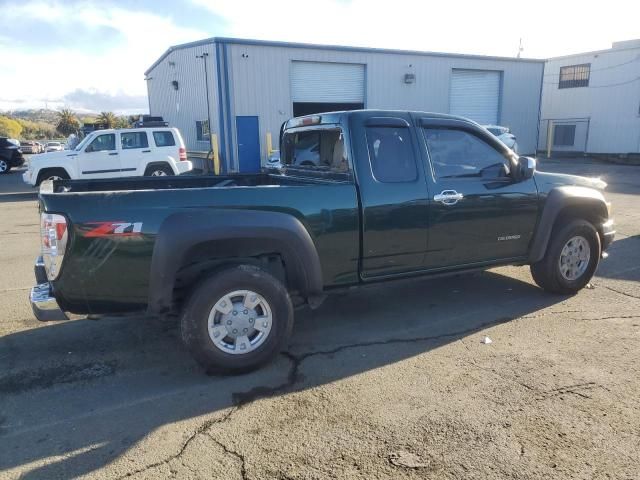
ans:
(204, 57)
(520, 48)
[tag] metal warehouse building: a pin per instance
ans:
(251, 87)
(591, 102)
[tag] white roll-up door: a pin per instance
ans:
(320, 82)
(475, 94)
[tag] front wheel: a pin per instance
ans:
(571, 258)
(4, 167)
(237, 320)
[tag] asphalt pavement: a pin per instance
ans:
(389, 382)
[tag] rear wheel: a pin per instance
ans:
(4, 167)
(571, 258)
(158, 171)
(237, 319)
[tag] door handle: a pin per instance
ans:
(146, 151)
(448, 197)
(113, 153)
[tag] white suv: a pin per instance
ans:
(114, 153)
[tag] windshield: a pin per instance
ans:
(81, 145)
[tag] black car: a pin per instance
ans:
(10, 155)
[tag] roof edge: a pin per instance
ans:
(318, 46)
(596, 52)
(172, 48)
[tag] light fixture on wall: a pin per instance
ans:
(174, 84)
(409, 78)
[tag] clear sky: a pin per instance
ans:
(91, 55)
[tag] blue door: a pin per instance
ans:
(248, 144)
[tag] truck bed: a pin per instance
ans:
(183, 182)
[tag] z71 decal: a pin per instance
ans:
(109, 229)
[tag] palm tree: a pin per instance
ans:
(108, 119)
(122, 122)
(67, 122)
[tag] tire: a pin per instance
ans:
(550, 274)
(52, 174)
(159, 170)
(203, 320)
(5, 166)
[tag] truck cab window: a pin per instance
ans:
(391, 154)
(458, 154)
(321, 150)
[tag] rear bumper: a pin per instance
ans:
(183, 166)
(608, 234)
(44, 305)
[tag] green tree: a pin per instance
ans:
(108, 119)
(67, 122)
(10, 127)
(122, 122)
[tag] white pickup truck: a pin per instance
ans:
(114, 153)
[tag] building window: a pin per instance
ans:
(202, 130)
(564, 135)
(574, 76)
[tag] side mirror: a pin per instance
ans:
(526, 167)
(89, 149)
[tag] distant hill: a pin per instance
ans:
(35, 115)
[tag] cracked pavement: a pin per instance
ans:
(388, 382)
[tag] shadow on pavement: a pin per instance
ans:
(18, 197)
(81, 393)
(618, 265)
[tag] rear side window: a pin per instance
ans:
(134, 140)
(391, 154)
(164, 139)
(321, 150)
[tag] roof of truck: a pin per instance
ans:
(334, 117)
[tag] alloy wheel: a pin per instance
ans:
(574, 258)
(240, 322)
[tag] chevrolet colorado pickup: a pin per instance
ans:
(361, 197)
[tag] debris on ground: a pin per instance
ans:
(486, 340)
(407, 460)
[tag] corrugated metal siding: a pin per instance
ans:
(610, 103)
(327, 82)
(183, 107)
(260, 85)
(475, 94)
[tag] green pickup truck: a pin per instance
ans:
(360, 197)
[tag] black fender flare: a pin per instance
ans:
(558, 199)
(242, 233)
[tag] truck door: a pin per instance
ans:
(393, 194)
(100, 159)
(479, 212)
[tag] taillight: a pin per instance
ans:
(54, 235)
(183, 154)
